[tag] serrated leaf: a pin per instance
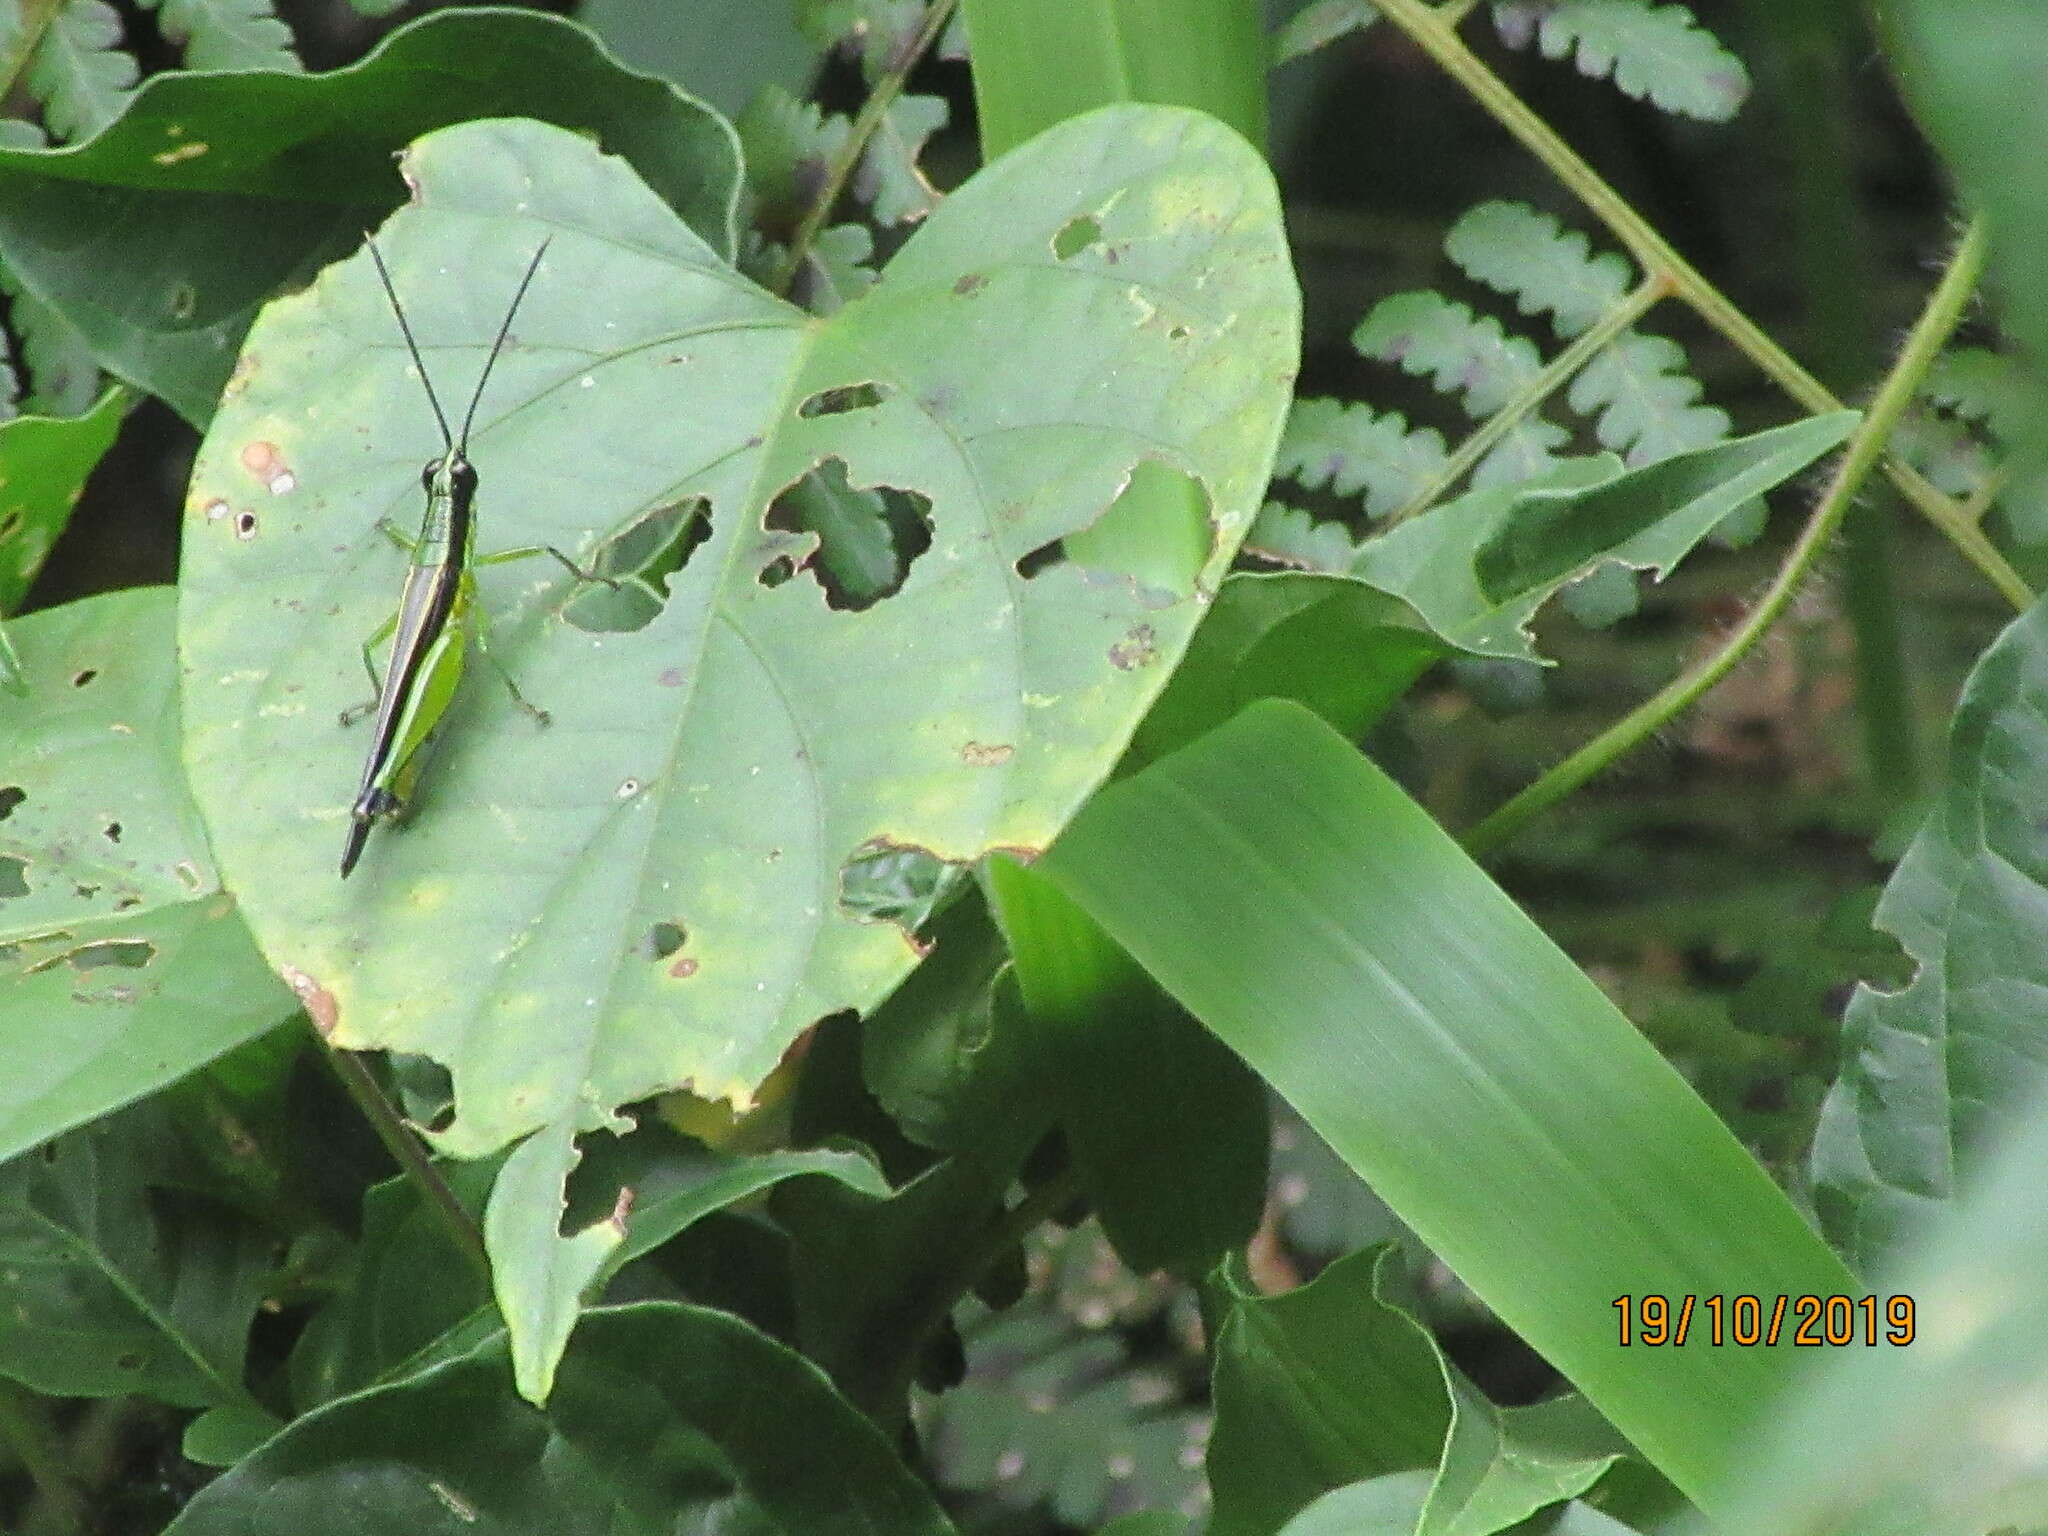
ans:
(1646, 399)
(79, 71)
(227, 34)
(1655, 53)
(1545, 268)
(788, 145)
(889, 179)
(1319, 24)
(43, 467)
(122, 966)
(62, 378)
(655, 881)
(1347, 448)
(1473, 358)
(1289, 536)
(1931, 1073)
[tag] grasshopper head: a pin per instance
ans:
(450, 475)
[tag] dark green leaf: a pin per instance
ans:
(665, 1418)
(43, 465)
(1934, 1070)
(214, 193)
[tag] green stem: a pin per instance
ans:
(411, 1156)
(1657, 256)
(881, 96)
(1937, 322)
(1530, 397)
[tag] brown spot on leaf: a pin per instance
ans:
(319, 1003)
(977, 754)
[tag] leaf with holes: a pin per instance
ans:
(1049, 531)
(122, 966)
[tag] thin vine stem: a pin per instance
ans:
(1554, 376)
(1936, 324)
(411, 1156)
(881, 96)
(1439, 39)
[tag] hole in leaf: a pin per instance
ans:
(85, 892)
(426, 1091)
(245, 525)
(844, 398)
(663, 940)
(1075, 236)
(10, 797)
(13, 876)
(896, 883)
(130, 954)
(80, 679)
(643, 558)
(113, 831)
(868, 536)
(777, 571)
(1156, 534)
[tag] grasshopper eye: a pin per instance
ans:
(427, 473)
(465, 477)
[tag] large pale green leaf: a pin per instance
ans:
(667, 1419)
(1931, 1070)
(648, 893)
(160, 239)
(1036, 64)
(1297, 902)
(123, 966)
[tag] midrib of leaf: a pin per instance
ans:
(74, 1241)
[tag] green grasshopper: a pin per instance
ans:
(438, 612)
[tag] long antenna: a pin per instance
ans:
(504, 330)
(412, 346)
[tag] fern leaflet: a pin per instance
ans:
(1285, 535)
(78, 71)
(1346, 448)
(227, 34)
(1320, 24)
(1655, 53)
(1545, 268)
(1473, 357)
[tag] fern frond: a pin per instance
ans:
(1658, 53)
(1469, 355)
(1320, 24)
(1347, 448)
(227, 34)
(78, 71)
(874, 31)
(1646, 401)
(787, 145)
(1288, 536)
(1545, 268)
(1473, 357)
(889, 179)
